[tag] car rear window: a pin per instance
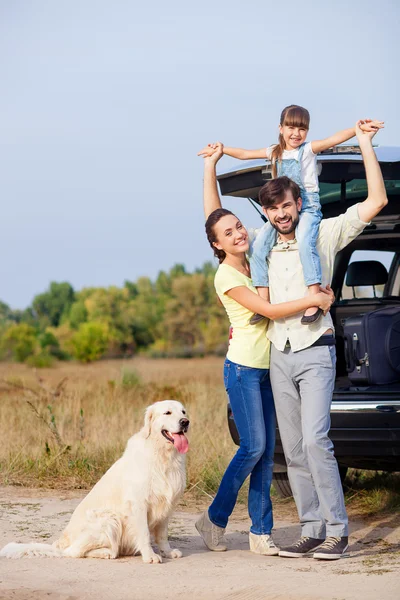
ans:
(385, 257)
(356, 188)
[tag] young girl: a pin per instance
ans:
(296, 159)
(246, 376)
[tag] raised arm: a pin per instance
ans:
(367, 125)
(377, 197)
(211, 197)
(256, 304)
(239, 153)
(243, 154)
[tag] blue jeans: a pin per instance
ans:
(252, 404)
(306, 234)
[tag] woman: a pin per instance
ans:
(246, 377)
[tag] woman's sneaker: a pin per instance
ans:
(332, 548)
(213, 536)
(262, 544)
(302, 547)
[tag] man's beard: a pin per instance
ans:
(293, 226)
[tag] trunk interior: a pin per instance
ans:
(341, 311)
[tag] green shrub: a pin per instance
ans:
(90, 341)
(20, 340)
(51, 346)
(47, 339)
(77, 315)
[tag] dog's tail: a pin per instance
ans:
(14, 550)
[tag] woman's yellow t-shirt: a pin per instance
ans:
(249, 345)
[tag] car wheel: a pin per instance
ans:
(282, 485)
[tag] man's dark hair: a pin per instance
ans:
(275, 190)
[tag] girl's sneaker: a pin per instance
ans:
(256, 318)
(309, 320)
(263, 544)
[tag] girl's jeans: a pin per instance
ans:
(306, 236)
(252, 403)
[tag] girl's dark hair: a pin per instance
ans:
(212, 220)
(294, 116)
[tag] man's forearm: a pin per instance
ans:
(375, 183)
(377, 198)
(211, 197)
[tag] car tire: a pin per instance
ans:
(342, 472)
(282, 485)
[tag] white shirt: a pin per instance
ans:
(309, 166)
(286, 279)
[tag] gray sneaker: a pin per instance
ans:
(262, 544)
(213, 536)
(333, 548)
(302, 547)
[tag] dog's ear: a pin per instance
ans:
(148, 418)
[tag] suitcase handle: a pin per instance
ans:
(350, 345)
(350, 352)
(350, 349)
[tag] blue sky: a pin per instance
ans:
(104, 105)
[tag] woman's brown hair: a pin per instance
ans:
(212, 220)
(293, 116)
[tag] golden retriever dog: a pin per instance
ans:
(133, 501)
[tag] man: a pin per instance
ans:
(303, 357)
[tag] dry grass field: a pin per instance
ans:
(63, 427)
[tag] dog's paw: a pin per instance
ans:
(151, 558)
(174, 553)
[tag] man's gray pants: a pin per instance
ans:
(302, 383)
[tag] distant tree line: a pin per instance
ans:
(177, 315)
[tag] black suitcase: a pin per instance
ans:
(372, 347)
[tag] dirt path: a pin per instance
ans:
(371, 573)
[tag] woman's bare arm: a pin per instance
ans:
(211, 198)
(253, 302)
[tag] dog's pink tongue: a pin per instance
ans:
(181, 442)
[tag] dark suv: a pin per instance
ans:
(365, 420)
